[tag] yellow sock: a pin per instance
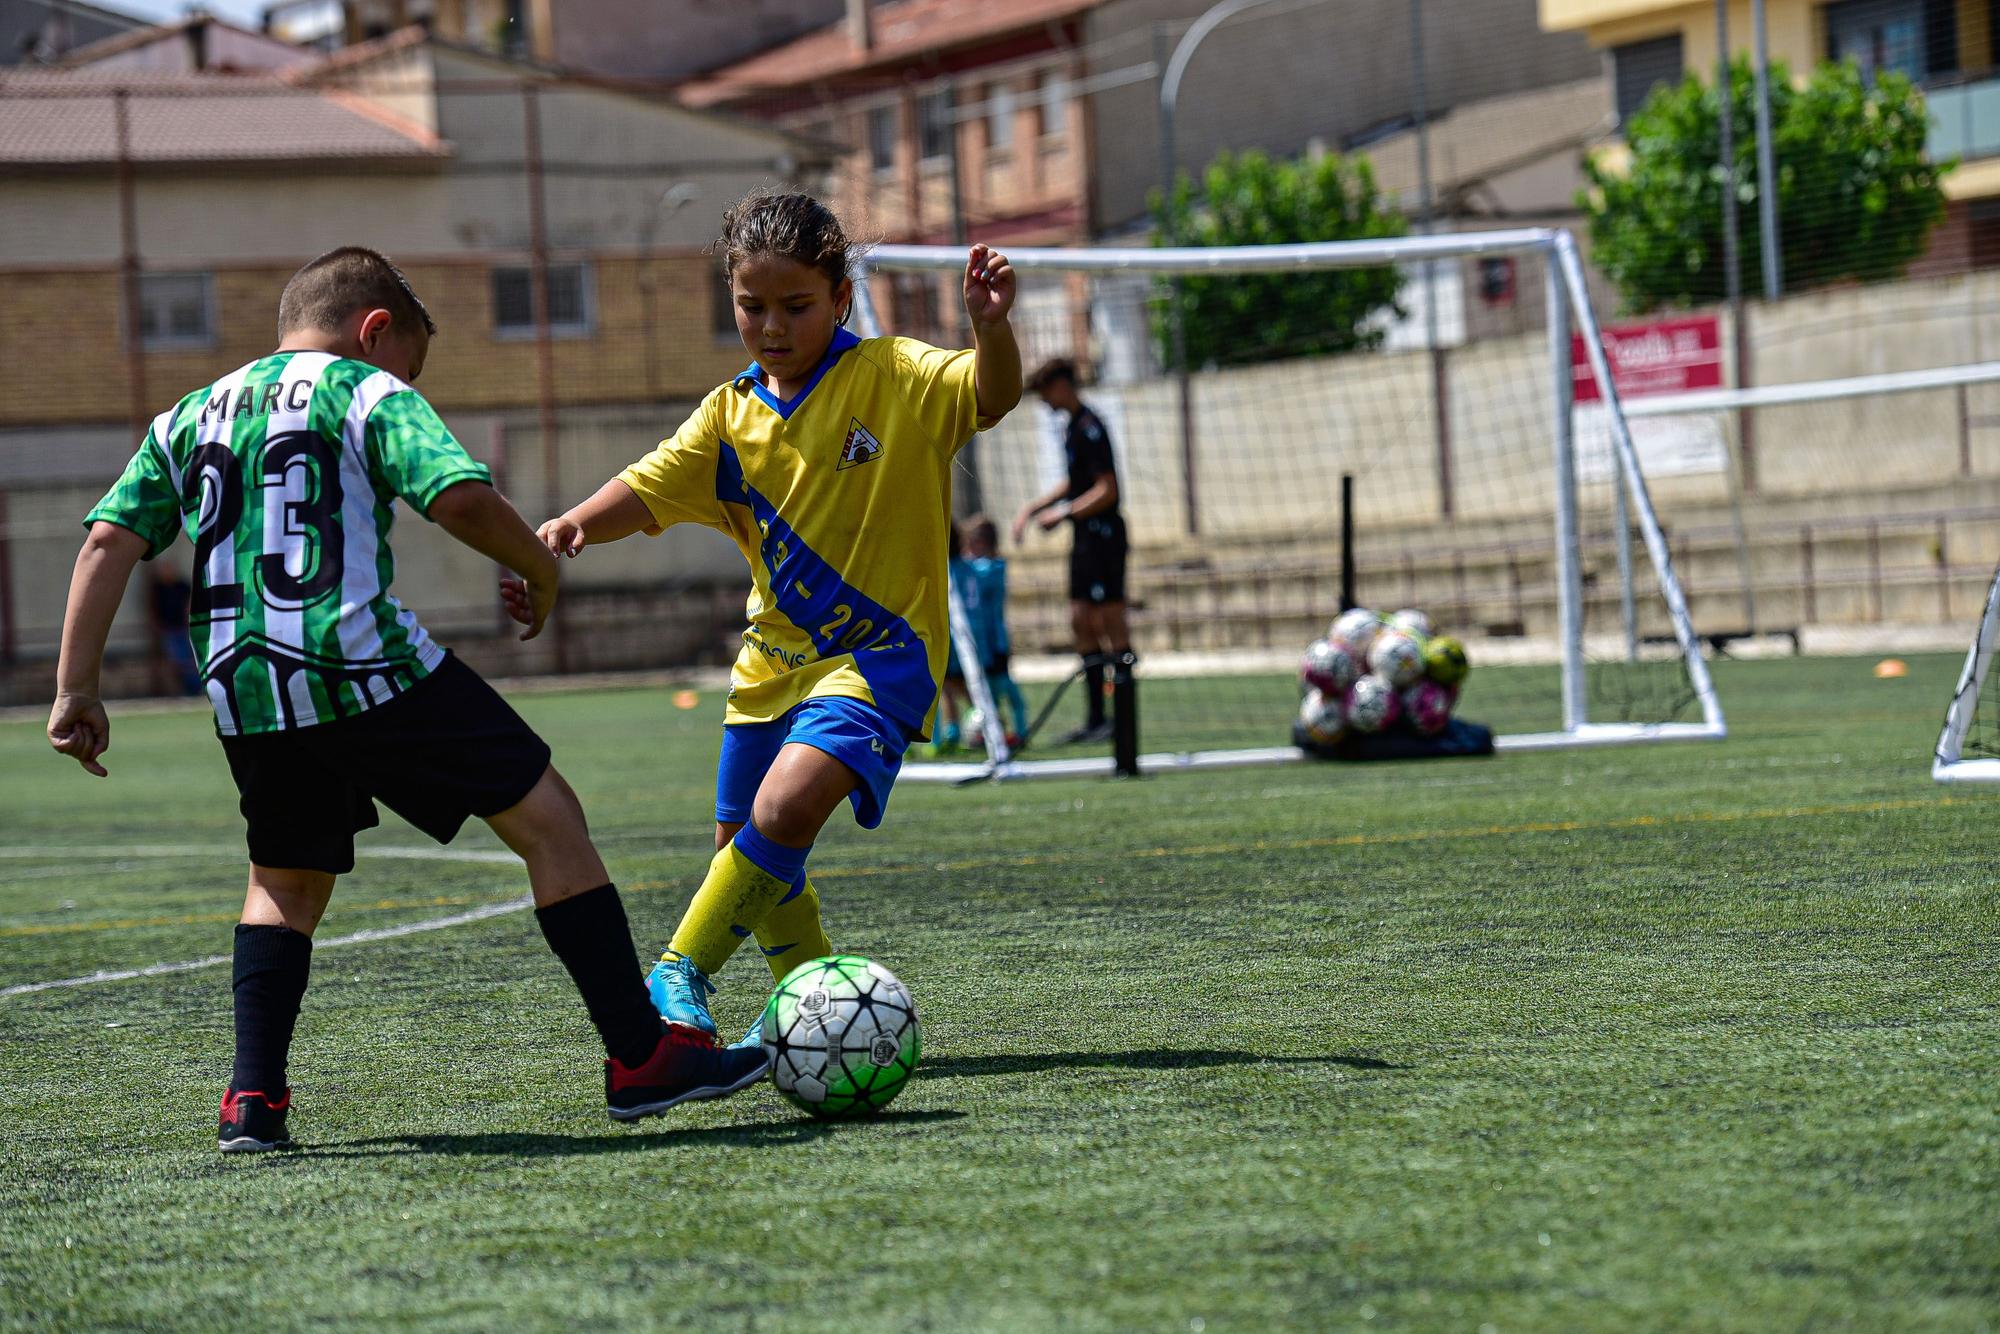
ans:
(791, 933)
(733, 898)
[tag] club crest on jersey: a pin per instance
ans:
(860, 447)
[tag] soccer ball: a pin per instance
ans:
(842, 1035)
(1396, 658)
(1412, 622)
(1372, 704)
(1354, 630)
(1329, 667)
(1322, 717)
(1444, 661)
(1427, 706)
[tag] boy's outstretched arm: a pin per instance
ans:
(1054, 496)
(614, 512)
(482, 519)
(989, 298)
(78, 726)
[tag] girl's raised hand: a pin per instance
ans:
(989, 285)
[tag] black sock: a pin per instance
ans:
(590, 935)
(272, 964)
(1093, 689)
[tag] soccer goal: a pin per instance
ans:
(1968, 749)
(1244, 387)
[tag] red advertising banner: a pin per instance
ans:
(1659, 357)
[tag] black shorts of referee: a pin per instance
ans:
(1097, 560)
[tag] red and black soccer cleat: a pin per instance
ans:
(687, 1066)
(251, 1122)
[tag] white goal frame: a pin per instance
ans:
(1949, 765)
(1568, 302)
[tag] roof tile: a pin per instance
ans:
(69, 119)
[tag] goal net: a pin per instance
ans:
(1240, 387)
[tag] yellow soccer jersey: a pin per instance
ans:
(840, 499)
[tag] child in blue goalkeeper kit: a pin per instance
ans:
(983, 586)
(828, 460)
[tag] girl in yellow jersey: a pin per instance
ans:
(828, 459)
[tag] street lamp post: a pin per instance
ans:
(1767, 174)
(1170, 83)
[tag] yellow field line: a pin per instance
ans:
(1772, 813)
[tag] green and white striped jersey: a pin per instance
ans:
(285, 475)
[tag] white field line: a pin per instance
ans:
(236, 854)
(215, 960)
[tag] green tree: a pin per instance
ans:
(1856, 195)
(1249, 199)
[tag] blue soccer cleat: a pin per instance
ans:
(680, 992)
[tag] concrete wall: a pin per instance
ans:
(1866, 443)
(200, 221)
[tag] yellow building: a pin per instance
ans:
(1949, 47)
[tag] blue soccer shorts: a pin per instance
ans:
(851, 731)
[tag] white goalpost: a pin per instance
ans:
(1542, 418)
(1965, 728)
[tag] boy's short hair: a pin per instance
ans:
(979, 528)
(1055, 368)
(329, 289)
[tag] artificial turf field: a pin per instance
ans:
(1701, 1035)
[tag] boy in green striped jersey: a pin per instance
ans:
(328, 694)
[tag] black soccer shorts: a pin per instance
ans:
(1097, 560)
(447, 749)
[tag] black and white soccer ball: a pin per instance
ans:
(843, 1036)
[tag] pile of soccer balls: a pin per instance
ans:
(1374, 673)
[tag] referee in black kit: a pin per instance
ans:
(1088, 498)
